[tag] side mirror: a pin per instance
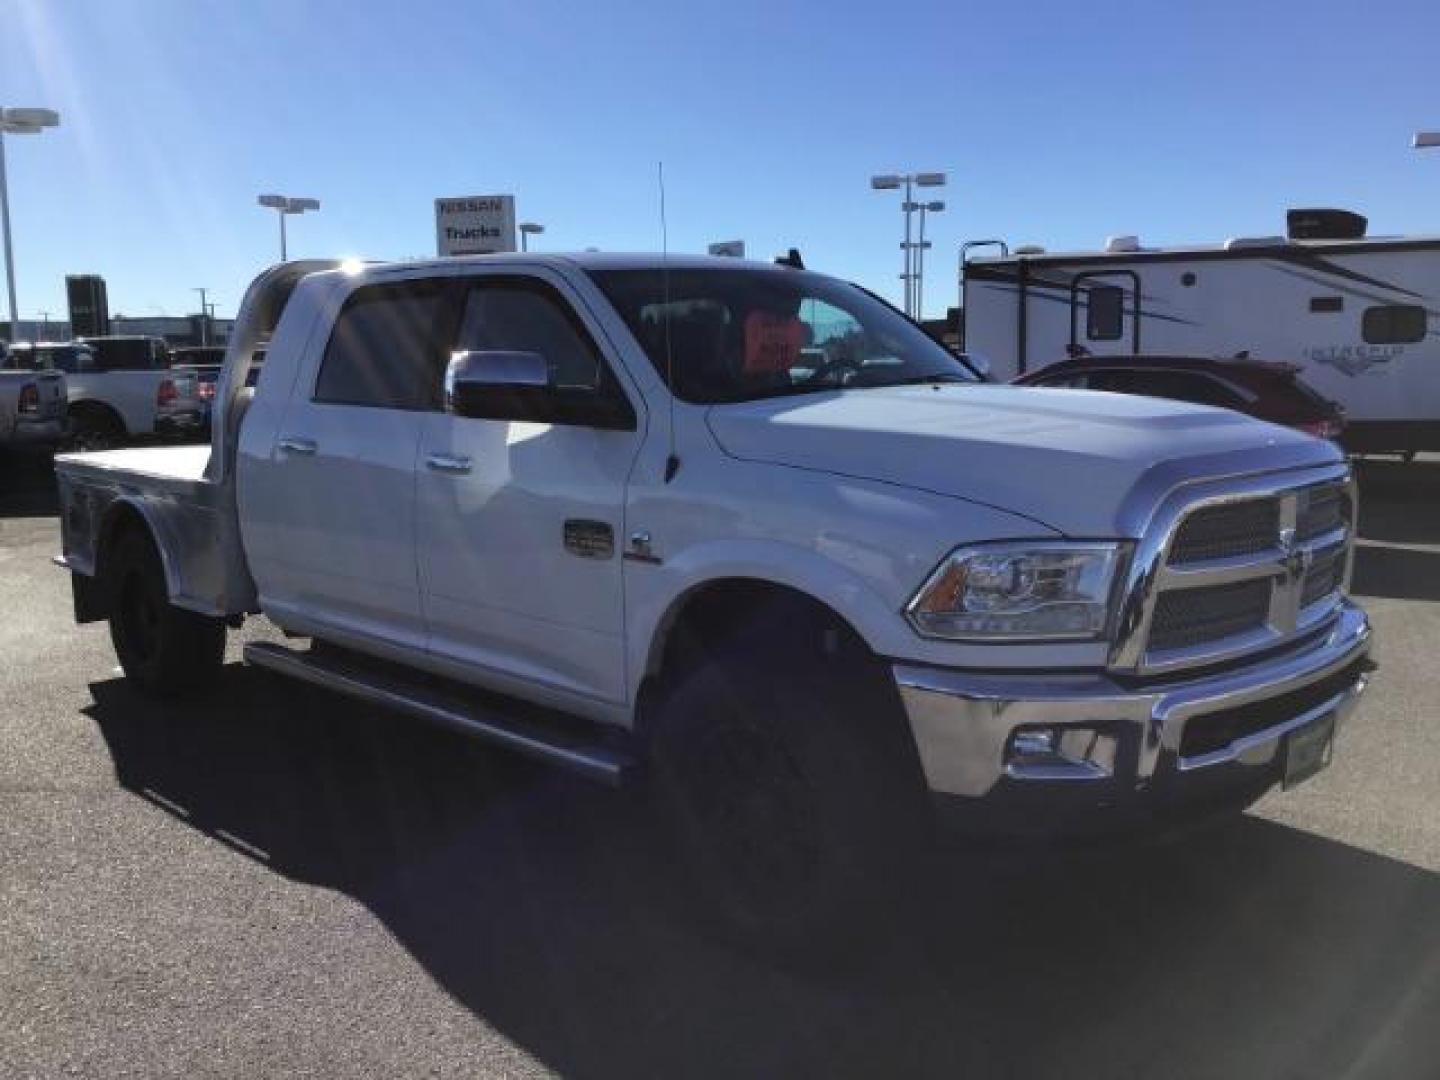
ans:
(514, 385)
(495, 385)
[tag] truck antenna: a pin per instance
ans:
(672, 461)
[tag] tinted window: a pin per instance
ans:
(1393, 324)
(1175, 385)
(126, 354)
(523, 317)
(385, 350)
(71, 358)
(1068, 382)
(1105, 316)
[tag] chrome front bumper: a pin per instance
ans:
(1020, 739)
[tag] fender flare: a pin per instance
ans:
(821, 580)
(120, 511)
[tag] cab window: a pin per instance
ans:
(385, 349)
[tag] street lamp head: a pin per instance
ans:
(273, 202)
(9, 127)
(531, 227)
(936, 206)
(1425, 140)
(885, 183)
(299, 206)
(30, 118)
(930, 179)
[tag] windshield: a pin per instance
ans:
(742, 333)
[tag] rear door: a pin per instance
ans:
(343, 558)
(520, 523)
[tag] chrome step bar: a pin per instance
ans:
(604, 764)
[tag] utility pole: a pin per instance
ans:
(204, 314)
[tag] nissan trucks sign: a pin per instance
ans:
(476, 225)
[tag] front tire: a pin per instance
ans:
(790, 787)
(164, 650)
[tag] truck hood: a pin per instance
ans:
(1072, 460)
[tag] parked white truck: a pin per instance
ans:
(119, 389)
(32, 408)
(748, 527)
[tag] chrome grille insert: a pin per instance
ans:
(1326, 575)
(1322, 510)
(1227, 530)
(1185, 618)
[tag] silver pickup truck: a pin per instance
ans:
(747, 531)
(32, 407)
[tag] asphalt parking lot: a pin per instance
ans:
(279, 882)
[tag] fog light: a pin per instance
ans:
(1037, 742)
(1060, 753)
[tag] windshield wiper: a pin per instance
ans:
(913, 380)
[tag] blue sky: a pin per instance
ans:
(1059, 123)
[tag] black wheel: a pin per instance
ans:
(790, 786)
(93, 429)
(165, 650)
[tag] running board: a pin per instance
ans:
(481, 720)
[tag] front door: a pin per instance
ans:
(521, 523)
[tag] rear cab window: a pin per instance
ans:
(385, 349)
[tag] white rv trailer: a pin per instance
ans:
(1360, 315)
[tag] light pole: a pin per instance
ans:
(283, 205)
(204, 314)
(909, 181)
(933, 207)
(527, 230)
(16, 122)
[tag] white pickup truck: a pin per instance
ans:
(747, 527)
(32, 408)
(119, 388)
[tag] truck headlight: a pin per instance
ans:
(1019, 591)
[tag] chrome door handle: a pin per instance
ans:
(448, 463)
(292, 444)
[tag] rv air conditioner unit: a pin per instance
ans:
(1119, 244)
(1325, 225)
(1029, 249)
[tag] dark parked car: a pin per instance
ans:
(1264, 389)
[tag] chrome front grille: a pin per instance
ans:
(1238, 572)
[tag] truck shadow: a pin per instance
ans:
(27, 485)
(1399, 520)
(1399, 503)
(541, 904)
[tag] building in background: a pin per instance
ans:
(89, 303)
(175, 329)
